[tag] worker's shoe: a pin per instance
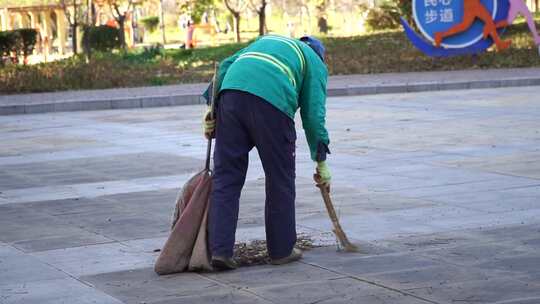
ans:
(295, 255)
(222, 263)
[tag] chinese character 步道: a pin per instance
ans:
(447, 15)
(431, 16)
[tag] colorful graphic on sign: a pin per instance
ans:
(457, 27)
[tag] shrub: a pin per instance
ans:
(384, 17)
(17, 42)
(405, 10)
(101, 38)
(150, 23)
(150, 53)
(29, 39)
(7, 43)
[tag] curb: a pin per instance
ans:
(431, 86)
(193, 99)
(103, 104)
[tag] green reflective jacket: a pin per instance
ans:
(287, 73)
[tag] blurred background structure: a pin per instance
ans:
(60, 23)
(96, 44)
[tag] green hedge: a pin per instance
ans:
(101, 38)
(17, 42)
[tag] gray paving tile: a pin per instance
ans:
(117, 217)
(145, 286)
(425, 242)
(11, 181)
(359, 264)
(478, 254)
(342, 290)
(533, 243)
(88, 170)
(31, 228)
(431, 276)
(532, 300)
(479, 291)
(514, 263)
(61, 242)
(69, 206)
(229, 297)
(511, 232)
(253, 277)
(126, 226)
(54, 291)
(22, 268)
(96, 259)
(7, 250)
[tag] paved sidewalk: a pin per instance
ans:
(347, 85)
(441, 190)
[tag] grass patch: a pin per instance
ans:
(375, 53)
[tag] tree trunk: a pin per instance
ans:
(74, 38)
(162, 22)
(122, 35)
(90, 13)
(262, 19)
(74, 28)
(236, 18)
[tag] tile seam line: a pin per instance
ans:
(479, 191)
(74, 277)
(512, 301)
(457, 167)
(508, 174)
(357, 278)
(109, 241)
(231, 287)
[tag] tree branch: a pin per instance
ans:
(229, 6)
(66, 12)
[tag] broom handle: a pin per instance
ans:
(208, 152)
(338, 231)
(212, 100)
(333, 216)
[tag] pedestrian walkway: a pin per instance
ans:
(440, 190)
(345, 85)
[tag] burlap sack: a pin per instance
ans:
(200, 257)
(189, 228)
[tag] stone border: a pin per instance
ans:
(192, 99)
(431, 86)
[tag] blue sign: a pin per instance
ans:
(433, 16)
(459, 31)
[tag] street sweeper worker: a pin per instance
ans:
(260, 89)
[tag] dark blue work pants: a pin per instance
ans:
(245, 121)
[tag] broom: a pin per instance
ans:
(338, 231)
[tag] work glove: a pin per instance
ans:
(322, 175)
(209, 124)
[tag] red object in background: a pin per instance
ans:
(112, 23)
